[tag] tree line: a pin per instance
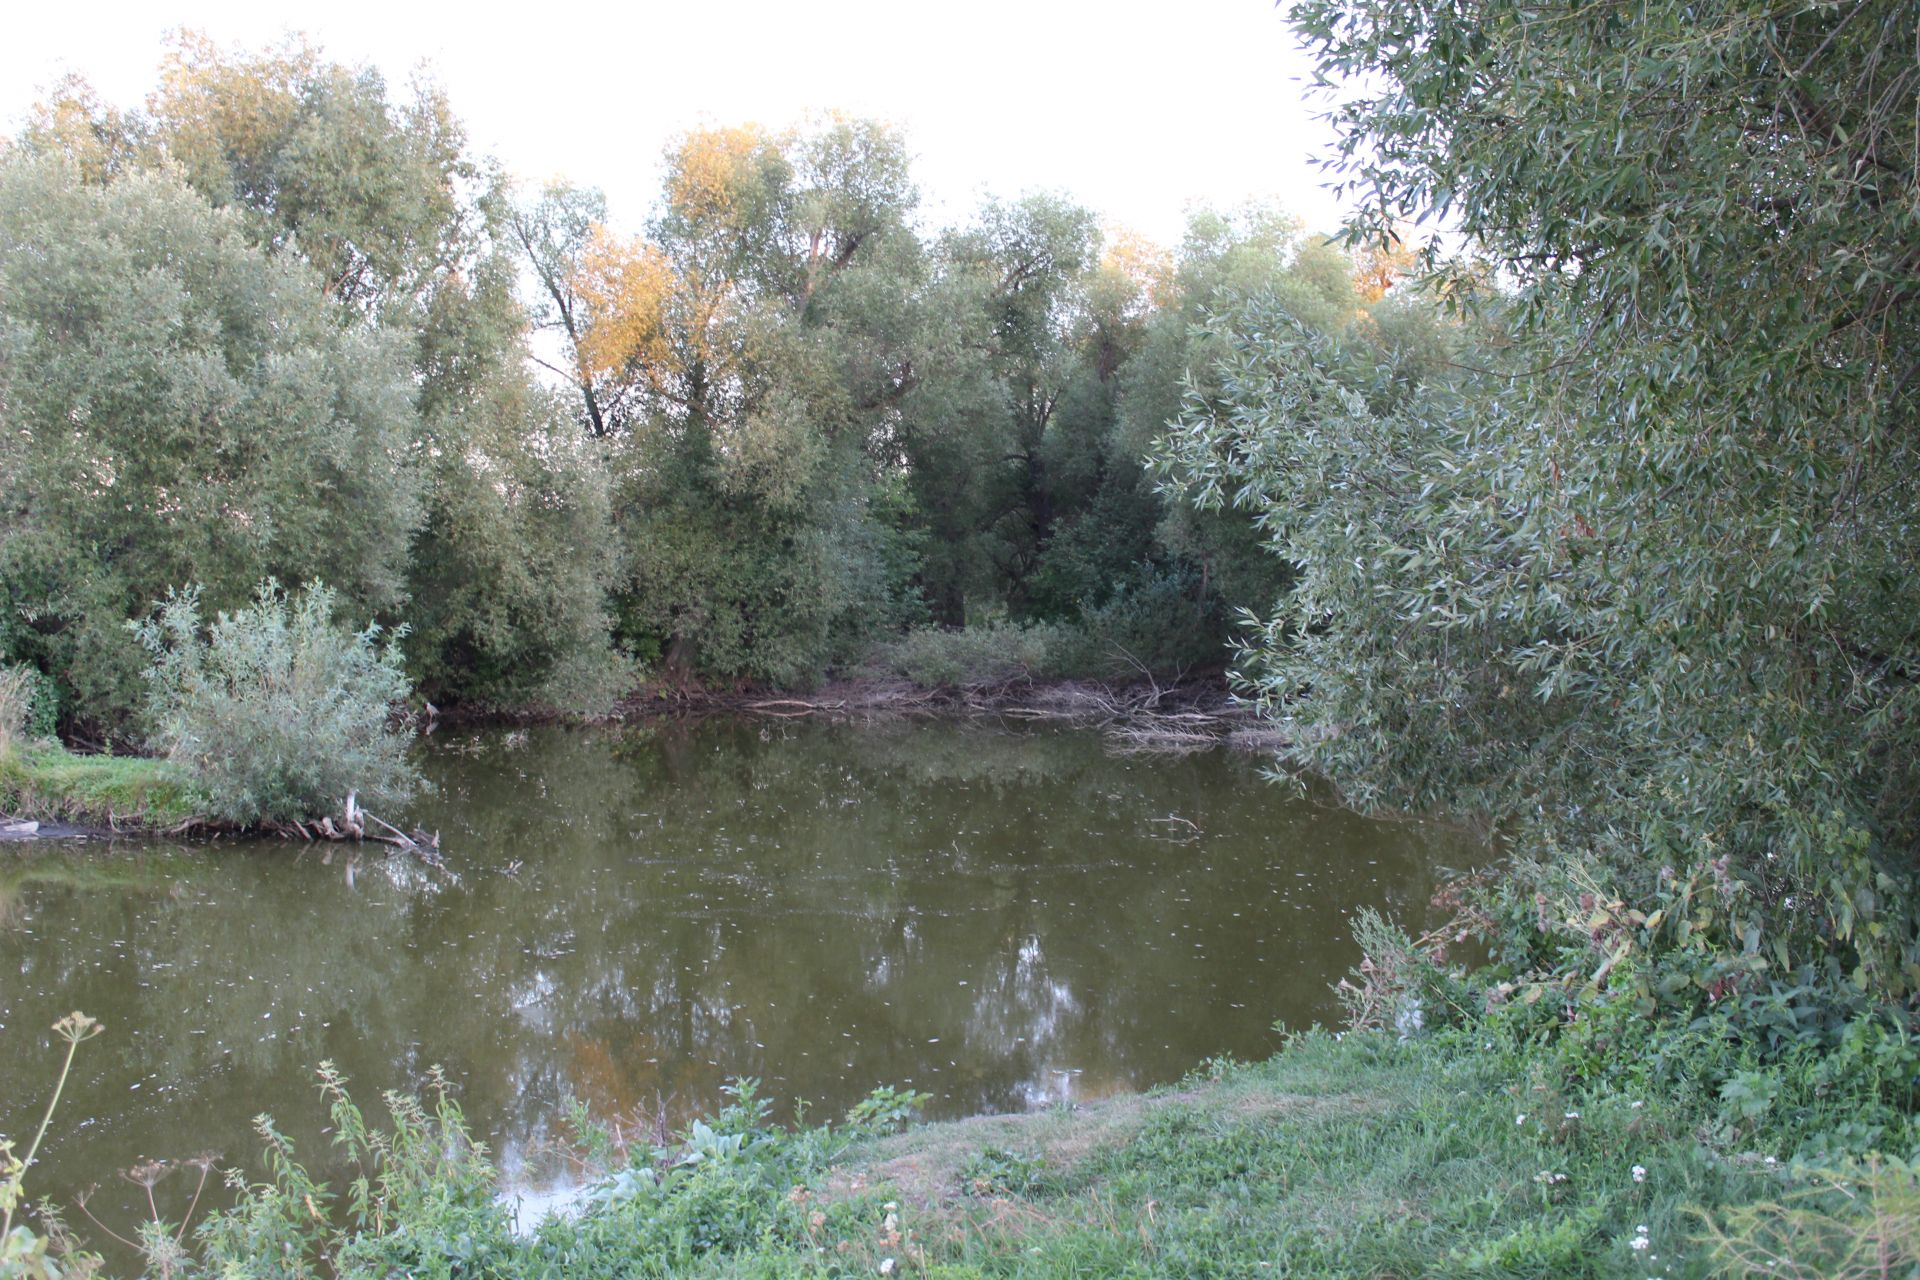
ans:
(282, 322)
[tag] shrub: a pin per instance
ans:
(276, 712)
(14, 696)
(970, 658)
(1156, 621)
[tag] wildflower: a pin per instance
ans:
(886, 1266)
(1573, 1115)
(1521, 1118)
(1771, 1160)
(1548, 1179)
(889, 1206)
(1639, 1173)
(1636, 1104)
(1639, 1244)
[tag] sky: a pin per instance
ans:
(1137, 110)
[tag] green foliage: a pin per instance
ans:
(186, 410)
(807, 428)
(277, 712)
(1640, 586)
(885, 1110)
(29, 705)
(398, 229)
(977, 657)
(512, 573)
(996, 1172)
(1849, 1222)
(423, 1198)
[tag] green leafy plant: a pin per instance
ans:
(22, 1252)
(276, 711)
(994, 1171)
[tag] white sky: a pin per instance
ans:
(1137, 110)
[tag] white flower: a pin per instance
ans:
(1521, 1118)
(1573, 1115)
(886, 1266)
(1639, 1243)
(1639, 1173)
(1636, 1104)
(890, 1206)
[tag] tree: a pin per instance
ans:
(554, 232)
(180, 408)
(748, 337)
(376, 193)
(1644, 582)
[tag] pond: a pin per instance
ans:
(1004, 918)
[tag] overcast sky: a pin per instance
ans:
(1137, 110)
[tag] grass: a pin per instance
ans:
(1351, 1157)
(45, 781)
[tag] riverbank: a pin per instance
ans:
(44, 782)
(1341, 1156)
(1140, 715)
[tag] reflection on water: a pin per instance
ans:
(1002, 919)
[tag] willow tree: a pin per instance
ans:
(749, 335)
(181, 408)
(1644, 579)
(376, 192)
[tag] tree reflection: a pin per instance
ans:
(997, 918)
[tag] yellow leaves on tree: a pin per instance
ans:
(1143, 268)
(717, 177)
(1381, 266)
(669, 318)
(650, 322)
(221, 113)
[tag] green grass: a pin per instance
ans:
(45, 781)
(1351, 1157)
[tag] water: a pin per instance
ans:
(1003, 919)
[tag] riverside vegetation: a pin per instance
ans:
(1599, 530)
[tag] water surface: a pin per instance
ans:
(1003, 919)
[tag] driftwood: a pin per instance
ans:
(353, 826)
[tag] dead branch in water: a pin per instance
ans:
(353, 826)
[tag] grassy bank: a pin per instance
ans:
(44, 781)
(1354, 1155)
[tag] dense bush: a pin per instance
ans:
(1635, 577)
(28, 703)
(277, 711)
